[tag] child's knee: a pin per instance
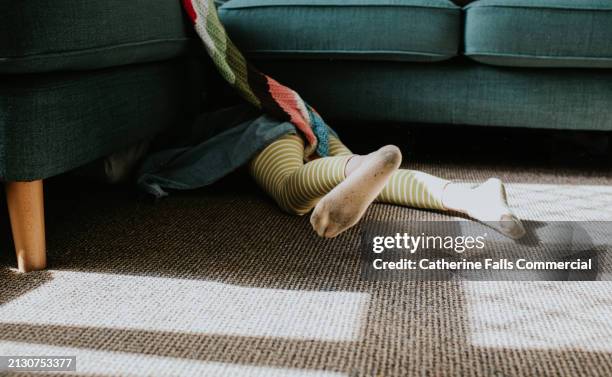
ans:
(294, 209)
(291, 204)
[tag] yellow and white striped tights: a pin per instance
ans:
(297, 186)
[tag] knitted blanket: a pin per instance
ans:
(258, 89)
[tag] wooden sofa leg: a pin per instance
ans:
(26, 210)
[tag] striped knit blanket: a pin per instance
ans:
(260, 90)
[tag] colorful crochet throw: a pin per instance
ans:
(257, 88)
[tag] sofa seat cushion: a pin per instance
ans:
(53, 122)
(403, 30)
(453, 92)
(43, 36)
(540, 33)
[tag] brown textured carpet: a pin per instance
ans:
(278, 301)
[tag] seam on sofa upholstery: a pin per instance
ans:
(229, 5)
(529, 56)
(50, 54)
(352, 52)
(543, 7)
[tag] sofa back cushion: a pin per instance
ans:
(540, 33)
(44, 36)
(402, 30)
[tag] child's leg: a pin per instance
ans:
(405, 187)
(486, 202)
(340, 198)
(366, 176)
(296, 187)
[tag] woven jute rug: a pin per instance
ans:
(219, 282)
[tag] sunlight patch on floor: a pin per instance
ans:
(540, 315)
(549, 202)
(190, 306)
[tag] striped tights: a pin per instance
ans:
(297, 186)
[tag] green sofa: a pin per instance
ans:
(80, 80)
(518, 63)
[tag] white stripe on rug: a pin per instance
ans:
(189, 306)
(540, 315)
(550, 202)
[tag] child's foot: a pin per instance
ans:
(344, 206)
(486, 203)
